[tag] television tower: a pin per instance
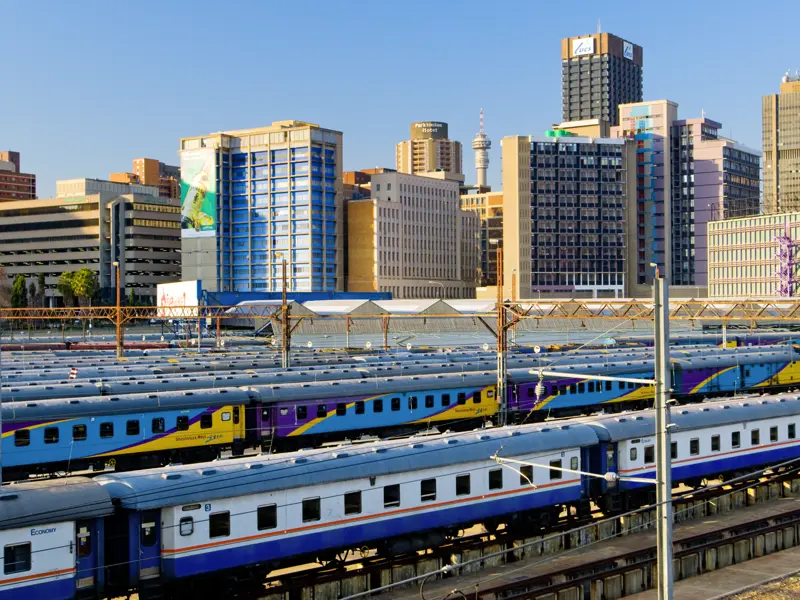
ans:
(481, 145)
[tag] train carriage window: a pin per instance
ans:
(634, 454)
(106, 430)
(158, 425)
(84, 542)
(621, 385)
(496, 479)
(132, 427)
(267, 516)
(572, 389)
(694, 446)
(649, 455)
(427, 490)
(182, 423)
(391, 496)
(476, 398)
(490, 393)
(302, 412)
(673, 450)
(736, 439)
(322, 411)
(22, 437)
(462, 398)
(206, 421)
(556, 473)
(186, 526)
(591, 386)
(526, 475)
(16, 558)
(395, 404)
(341, 409)
(147, 533)
(360, 407)
(581, 388)
(573, 463)
(377, 405)
(78, 433)
(51, 435)
(445, 399)
(715, 445)
(791, 432)
(608, 386)
(219, 524)
(226, 416)
(236, 416)
(755, 437)
(412, 402)
(428, 401)
(352, 503)
(311, 510)
(562, 390)
(462, 485)
(773, 434)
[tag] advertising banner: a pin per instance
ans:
(198, 193)
(180, 293)
(582, 46)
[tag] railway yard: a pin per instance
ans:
(395, 471)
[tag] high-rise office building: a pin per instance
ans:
(712, 178)
(93, 223)
(780, 116)
(15, 185)
(488, 206)
(568, 194)
(411, 238)
(598, 73)
(428, 150)
(256, 197)
(148, 171)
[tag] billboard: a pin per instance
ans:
(582, 46)
(627, 50)
(198, 193)
(180, 293)
(429, 130)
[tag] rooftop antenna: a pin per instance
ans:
(703, 113)
(599, 28)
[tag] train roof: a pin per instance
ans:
(171, 486)
(707, 414)
(130, 403)
(42, 502)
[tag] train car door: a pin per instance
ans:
(149, 544)
(88, 545)
(611, 465)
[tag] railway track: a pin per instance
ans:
(474, 552)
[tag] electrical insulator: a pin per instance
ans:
(539, 390)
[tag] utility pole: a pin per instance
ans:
(285, 342)
(663, 450)
(502, 344)
(119, 312)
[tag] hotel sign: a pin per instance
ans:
(627, 50)
(583, 46)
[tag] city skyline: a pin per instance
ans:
(64, 84)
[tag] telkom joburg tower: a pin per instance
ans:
(481, 145)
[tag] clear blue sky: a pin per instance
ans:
(88, 85)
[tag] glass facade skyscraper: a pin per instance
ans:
(278, 197)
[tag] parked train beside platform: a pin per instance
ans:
(189, 531)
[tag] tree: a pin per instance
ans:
(64, 287)
(33, 299)
(5, 288)
(19, 292)
(42, 288)
(132, 298)
(84, 285)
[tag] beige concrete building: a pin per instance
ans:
(780, 117)
(753, 256)
(93, 223)
(488, 206)
(428, 150)
(412, 239)
(271, 193)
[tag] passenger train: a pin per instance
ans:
(182, 531)
(157, 428)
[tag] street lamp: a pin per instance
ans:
(119, 310)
